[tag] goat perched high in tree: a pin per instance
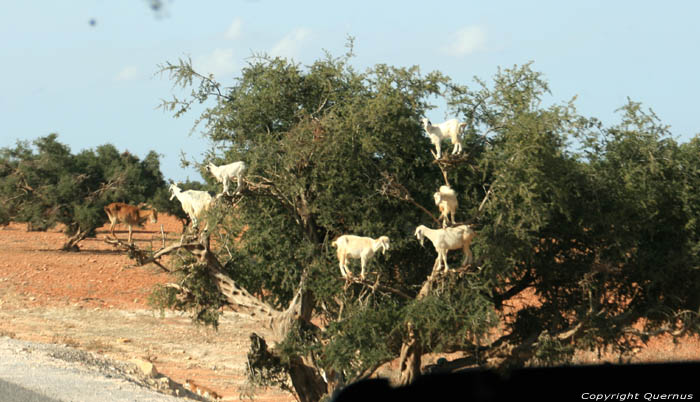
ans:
(225, 173)
(448, 130)
(446, 200)
(193, 202)
(444, 240)
(363, 248)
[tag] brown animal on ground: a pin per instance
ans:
(201, 390)
(119, 212)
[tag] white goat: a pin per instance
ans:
(193, 202)
(350, 246)
(448, 239)
(226, 173)
(446, 200)
(443, 131)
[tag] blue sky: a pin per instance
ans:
(96, 84)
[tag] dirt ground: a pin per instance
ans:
(94, 300)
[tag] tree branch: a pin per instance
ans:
(392, 188)
(377, 286)
(236, 296)
(521, 285)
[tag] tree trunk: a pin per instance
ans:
(300, 309)
(239, 297)
(308, 385)
(410, 359)
(72, 243)
(306, 380)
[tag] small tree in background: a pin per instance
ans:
(47, 185)
(604, 237)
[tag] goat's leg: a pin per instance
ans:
(129, 234)
(436, 141)
(444, 260)
(111, 230)
(468, 256)
(225, 185)
(438, 155)
(436, 265)
(363, 263)
(344, 266)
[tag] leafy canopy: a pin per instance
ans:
(46, 184)
(597, 238)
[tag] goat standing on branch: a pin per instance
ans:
(448, 239)
(225, 173)
(350, 246)
(193, 202)
(447, 130)
(119, 212)
(446, 201)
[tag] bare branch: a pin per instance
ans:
(134, 252)
(377, 286)
(392, 188)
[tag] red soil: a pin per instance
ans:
(96, 300)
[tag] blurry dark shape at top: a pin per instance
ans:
(157, 6)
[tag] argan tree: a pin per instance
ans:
(45, 185)
(587, 239)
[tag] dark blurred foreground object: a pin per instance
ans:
(634, 382)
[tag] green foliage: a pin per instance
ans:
(366, 336)
(46, 184)
(601, 224)
(457, 316)
(319, 140)
(201, 298)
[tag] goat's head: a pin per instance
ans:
(210, 167)
(437, 198)
(173, 189)
(419, 234)
(384, 243)
(426, 123)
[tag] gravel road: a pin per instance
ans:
(52, 373)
